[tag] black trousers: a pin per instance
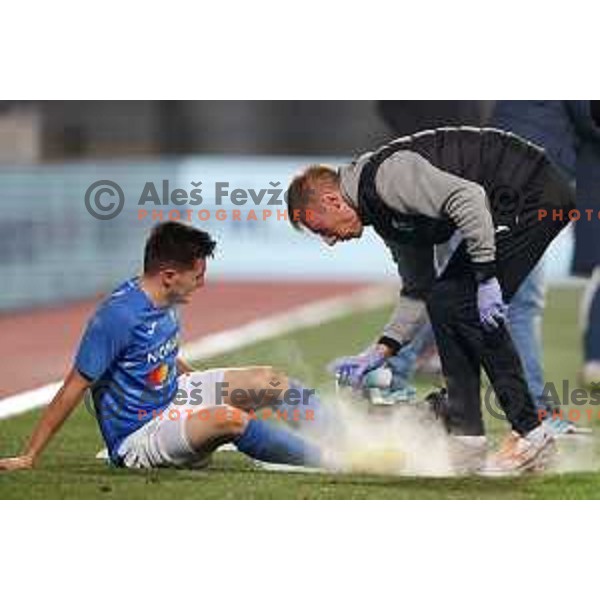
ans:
(464, 347)
(463, 344)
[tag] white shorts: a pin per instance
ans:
(162, 442)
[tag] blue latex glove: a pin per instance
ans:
(352, 369)
(492, 310)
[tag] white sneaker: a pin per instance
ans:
(102, 454)
(467, 453)
(533, 452)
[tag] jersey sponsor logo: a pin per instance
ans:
(158, 376)
(163, 351)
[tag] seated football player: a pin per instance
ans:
(152, 408)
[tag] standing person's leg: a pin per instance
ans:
(460, 408)
(592, 343)
(464, 347)
(461, 360)
(591, 369)
(525, 316)
(525, 323)
(456, 292)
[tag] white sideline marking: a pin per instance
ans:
(29, 400)
(309, 315)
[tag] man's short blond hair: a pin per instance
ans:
(304, 189)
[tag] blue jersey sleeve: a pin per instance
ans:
(106, 336)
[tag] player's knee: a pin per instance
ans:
(230, 420)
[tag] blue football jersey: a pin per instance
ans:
(129, 352)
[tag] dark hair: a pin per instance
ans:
(176, 245)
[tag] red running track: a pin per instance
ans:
(39, 345)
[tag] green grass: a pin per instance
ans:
(68, 468)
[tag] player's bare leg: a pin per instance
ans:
(264, 386)
(240, 393)
(252, 388)
(209, 428)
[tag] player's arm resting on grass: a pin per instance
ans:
(105, 338)
(63, 403)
